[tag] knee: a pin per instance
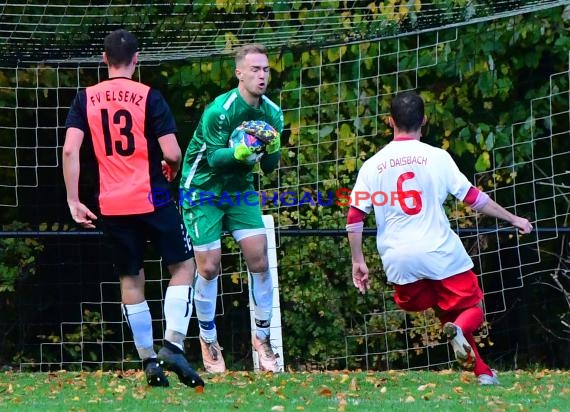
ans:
(258, 264)
(182, 273)
(208, 270)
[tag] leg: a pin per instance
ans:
(205, 299)
(253, 244)
(170, 238)
(137, 314)
(254, 249)
(468, 320)
(462, 314)
(178, 302)
(126, 241)
(178, 311)
(204, 225)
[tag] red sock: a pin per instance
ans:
(481, 368)
(469, 321)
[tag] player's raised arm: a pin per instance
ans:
(481, 202)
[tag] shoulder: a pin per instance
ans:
(224, 102)
(271, 104)
(273, 113)
(220, 107)
(80, 98)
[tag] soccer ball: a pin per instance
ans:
(239, 135)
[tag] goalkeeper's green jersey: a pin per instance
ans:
(209, 165)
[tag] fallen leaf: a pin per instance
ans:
(325, 392)
(353, 385)
(426, 386)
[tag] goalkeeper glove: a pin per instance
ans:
(273, 146)
(261, 130)
(242, 152)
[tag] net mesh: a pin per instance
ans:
(50, 49)
(58, 31)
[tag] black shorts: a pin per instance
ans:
(127, 237)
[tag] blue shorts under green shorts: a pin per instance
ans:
(206, 221)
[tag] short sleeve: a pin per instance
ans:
(362, 185)
(160, 116)
(456, 183)
(77, 115)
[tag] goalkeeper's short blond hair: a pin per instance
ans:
(252, 48)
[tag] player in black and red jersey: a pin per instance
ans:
(133, 135)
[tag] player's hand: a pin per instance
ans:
(243, 152)
(82, 215)
(523, 225)
(273, 146)
(167, 171)
(360, 277)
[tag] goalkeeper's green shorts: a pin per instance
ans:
(206, 221)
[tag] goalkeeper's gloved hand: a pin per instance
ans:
(243, 152)
(263, 131)
(273, 146)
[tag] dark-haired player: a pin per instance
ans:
(132, 133)
(423, 258)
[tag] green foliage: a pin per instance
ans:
(85, 342)
(18, 258)
(18, 262)
(476, 86)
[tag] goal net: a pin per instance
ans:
(335, 67)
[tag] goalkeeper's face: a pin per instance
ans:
(253, 74)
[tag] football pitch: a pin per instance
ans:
(538, 390)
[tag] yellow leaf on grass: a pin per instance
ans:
(353, 385)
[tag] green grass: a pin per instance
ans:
(543, 390)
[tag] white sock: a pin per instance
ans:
(140, 322)
(177, 312)
(262, 293)
(205, 295)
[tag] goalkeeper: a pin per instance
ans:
(211, 168)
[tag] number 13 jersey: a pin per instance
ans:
(124, 119)
(406, 183)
